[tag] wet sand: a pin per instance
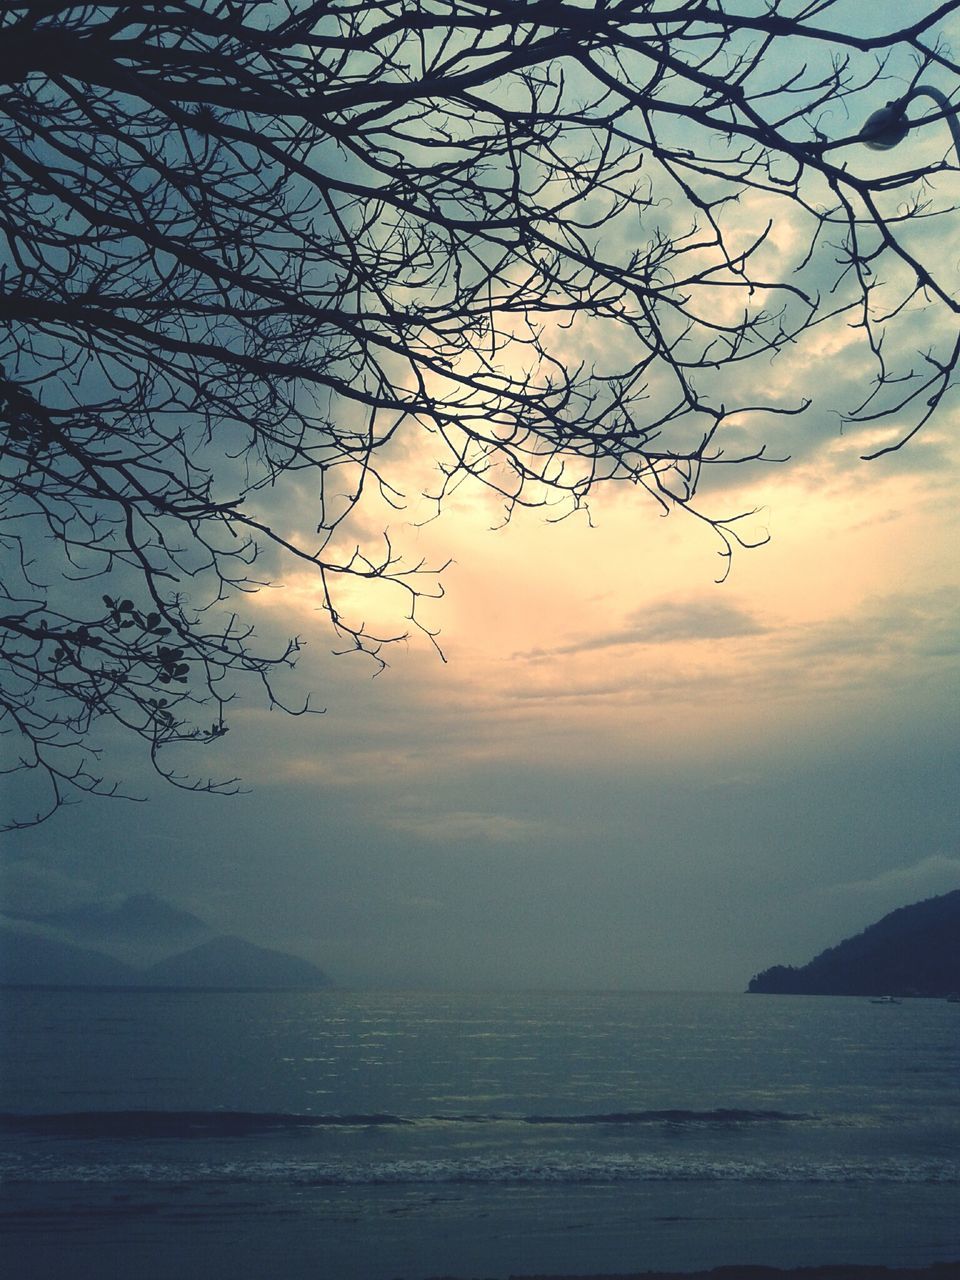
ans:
(936, 1271)
(199, 1231)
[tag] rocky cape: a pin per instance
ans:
(913, 951)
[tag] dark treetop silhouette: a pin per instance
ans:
(243, 242)
(913, 951)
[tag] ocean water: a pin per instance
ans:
(368, 1136)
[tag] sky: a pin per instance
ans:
(621, 773)
(624, 775)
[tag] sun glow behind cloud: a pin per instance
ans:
(612, 642)
(551, 628)
(609, 722)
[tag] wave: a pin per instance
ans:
(177, 1124)
(718, 1115)
(546, 1170)
(229, 1124)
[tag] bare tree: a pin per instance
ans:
(249, 244)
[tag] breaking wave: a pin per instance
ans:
(228, 1124)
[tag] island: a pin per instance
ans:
(913, 951)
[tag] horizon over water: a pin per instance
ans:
(368, 1135)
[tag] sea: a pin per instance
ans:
(374, 1135)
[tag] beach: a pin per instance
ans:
(176, 1235)
(410, 1136)
(937, 1271)
(206, 1227)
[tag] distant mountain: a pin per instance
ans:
(913, 951)
(140, 917)
(233, 963)
(29, 959)
(143, 930)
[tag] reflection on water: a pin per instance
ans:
(581, 1127)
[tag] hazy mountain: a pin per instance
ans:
(30, 959)
(137, 930)
(232, 962)
(135, 939)
(914, 950)
(140, 917)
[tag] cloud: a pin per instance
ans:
(888, 628)
(665, 623)
(491, 828)
(938, 873)
(420, 903)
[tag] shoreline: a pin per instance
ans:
(826, 1271)
(194, 1229)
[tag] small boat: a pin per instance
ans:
(953, 997)
(884, 1000)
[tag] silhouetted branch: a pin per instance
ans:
(243, 242)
